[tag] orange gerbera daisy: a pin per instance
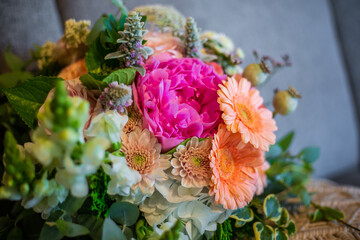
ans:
(74, 70)
(262, 179)
(233, 164)
(244, 113)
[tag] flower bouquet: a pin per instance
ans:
(125, 133)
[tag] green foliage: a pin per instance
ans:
(124, 213)
(224, 231)
(173, 233)
(125, 76)
(291, 228)
(90, 82)
(70, 229)
(101, 201)
(280, 235)
(242, 216)
(13, 61)
(263, 232)
(143, 229)
(31, 94)
(271, 208)
(94, 57)
(72, 204)
(11, 79)
(310, 154)
(285, 142)
(111, 231)
(324, 213)
(50, 232)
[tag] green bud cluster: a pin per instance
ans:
(165, 17)
(193, 43)
(131, 51)
(19, 171)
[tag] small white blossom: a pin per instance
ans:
(108, 125)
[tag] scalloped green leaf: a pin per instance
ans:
(11, 79)
(263, 232)
(280, 235)
(317, 216)
(271, 208)
(284, 219)
(285, 142)
(125, 76)
(332, 214)
(239, 224)
(244, 214)
(32, 94)
(124, 213)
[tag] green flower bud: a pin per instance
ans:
(286, 101)
(24, 189)
(68, 135)
(256, 73)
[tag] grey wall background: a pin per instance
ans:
(322, 38)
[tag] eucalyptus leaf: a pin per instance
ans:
(72, 204)
(285, 142)
(310, 154)
(15, 233)
(50, 232)
(271, 208)
(111, 231)
(302, 193)
(124, 213)
(274, 152)
(70, 229)
(92, 223)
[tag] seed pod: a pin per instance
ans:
(256, 73)
(286, 101)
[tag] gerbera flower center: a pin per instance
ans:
(140, 161)
(226, 163)
(244, 113)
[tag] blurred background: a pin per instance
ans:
(322, 38)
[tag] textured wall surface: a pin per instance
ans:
(304, 30)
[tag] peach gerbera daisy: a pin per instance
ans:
(142, 152)
(233, 164)
(192, 164)
(262, 180)
(244, 113)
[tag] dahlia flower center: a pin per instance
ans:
(226, 163)
(140, 161)
(244, 114)
(196, 164)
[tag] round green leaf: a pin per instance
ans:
(310, 154)
(239, 224)
(280, 235)
(124, 213)
(263, 232)
(272, 207)
(284, 219)
(244, 214)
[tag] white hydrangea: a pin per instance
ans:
(122, 177)
(166, 226)
(108, 125)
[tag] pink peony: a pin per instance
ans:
(178, 99)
